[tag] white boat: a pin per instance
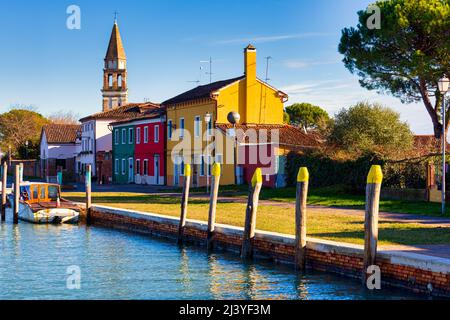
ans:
(41, 203)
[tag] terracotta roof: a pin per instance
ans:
(61, 133)
(129, 111)
(149, 114)
(115, 48)
(201, 91)
(289, 136)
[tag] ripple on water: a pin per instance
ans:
(121, 265)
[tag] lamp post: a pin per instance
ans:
(234, 118)
(443, 88)
(208, 122)
(26, 149)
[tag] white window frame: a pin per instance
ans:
(156, 132)
(197, 126)
(116, 168)
(116, 136)
(130, 135)
(124, 136)
(145, 171)
(182, 128)
(138, 167)
(146, 134)
(138, 135)
(169, 129)
(124, 165)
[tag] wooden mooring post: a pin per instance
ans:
(373, 189)
(250, 215)
(88, 184)
(184, 202)
(16, 195)
(300, 218)
(21, 172)
(216, 172)
(4, 198)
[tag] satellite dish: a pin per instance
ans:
(233, 117)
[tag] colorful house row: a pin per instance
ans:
(139, 142)
(139, 149)
(152, 143)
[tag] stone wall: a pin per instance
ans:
(418, 273)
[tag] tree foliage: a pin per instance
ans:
(307, 116)
(407, 56)
(64, 117)
(366, 128)
(18, 126)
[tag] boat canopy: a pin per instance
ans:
(39, 192)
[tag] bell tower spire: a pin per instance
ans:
(115, 90)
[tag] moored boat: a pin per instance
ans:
(41, 203)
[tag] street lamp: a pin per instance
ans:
(208, 122)
(443, 88)
(26, 149)
(234, 118)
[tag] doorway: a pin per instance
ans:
(130, 170)
(156, 167)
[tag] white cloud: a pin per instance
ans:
(300, 64)
(262, 39)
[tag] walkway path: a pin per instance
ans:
(442, 251)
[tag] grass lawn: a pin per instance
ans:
(338, 227)
(336, 196)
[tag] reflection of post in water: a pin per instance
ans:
(217, 278)
(301, 289)
(184, 270)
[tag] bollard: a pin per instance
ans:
(4, 198)
(250, 215)
(21, 172)
(373, 189)
(216, 172)
(184, 202)
(88, 193)
(300, 218)
(16, 195)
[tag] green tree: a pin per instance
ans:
(366, 128)
(18, 126)
(307, 116)
(406, 56)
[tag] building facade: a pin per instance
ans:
(60, 146)
(139, 149)
(190, 113)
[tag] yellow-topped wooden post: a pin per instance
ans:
(216, 173)
(16, 195)
(184, 201)
(4, 181)
(373, 190)
(250, 215)
(300, 218)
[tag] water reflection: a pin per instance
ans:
(120, 265)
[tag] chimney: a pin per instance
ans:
(250, 84)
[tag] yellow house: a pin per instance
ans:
(190, 113)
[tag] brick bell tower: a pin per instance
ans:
(115, 91)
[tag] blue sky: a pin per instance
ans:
(53, 68)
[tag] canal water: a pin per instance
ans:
(49, 262)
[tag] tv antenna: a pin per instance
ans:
(267, 79)
(210, 61)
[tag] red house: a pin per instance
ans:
(139, 149)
